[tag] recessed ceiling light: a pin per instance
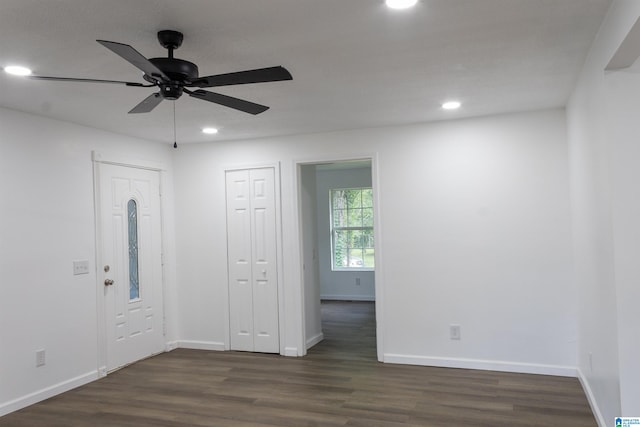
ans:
(17, 70)
(451, 105)
(401, 4)
(210, 131)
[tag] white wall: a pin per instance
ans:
(624, 104)
(490, 250)
(339, 285)
(603, 130)
(46, 176)
(487, 244)
(311, 273)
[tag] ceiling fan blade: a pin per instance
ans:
(71, 79)
(228, 101)
(135, 58)
(261, 75)
(148, 104)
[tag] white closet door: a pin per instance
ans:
(263, 253)
(251, 237)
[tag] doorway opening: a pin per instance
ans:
(337, 225)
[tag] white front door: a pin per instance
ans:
(253, 276)
(130, 269)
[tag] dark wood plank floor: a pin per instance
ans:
(338, 384)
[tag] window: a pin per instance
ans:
(352, 228)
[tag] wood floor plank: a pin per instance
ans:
(339, 383)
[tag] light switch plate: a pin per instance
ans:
(80, 267)
(40, 358)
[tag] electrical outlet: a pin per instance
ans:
(357, 281)
(40, 358)
(454, 332)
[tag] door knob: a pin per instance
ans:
(108, 282)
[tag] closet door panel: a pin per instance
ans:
(239, 260)
(265, 283)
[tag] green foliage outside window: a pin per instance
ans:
(352, 228)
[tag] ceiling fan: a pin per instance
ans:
(174, 76)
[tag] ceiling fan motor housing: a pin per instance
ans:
(177, 69)
(180, 72)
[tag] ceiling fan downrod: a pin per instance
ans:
(170, 40)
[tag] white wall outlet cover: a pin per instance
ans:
(454, 332)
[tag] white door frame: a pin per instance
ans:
(378, 271)
(99, 158)
(279, 255)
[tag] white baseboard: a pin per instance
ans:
(202, 345)
(348, 297)
(290, 352)
(45, 393)
(170, 346)
(592, 400)
(314, 340)
(485, 365)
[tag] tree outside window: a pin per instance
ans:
(352, 228)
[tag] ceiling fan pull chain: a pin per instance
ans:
(175, 141)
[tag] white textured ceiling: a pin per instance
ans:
(355, 63)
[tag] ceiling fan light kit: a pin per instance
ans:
(173, 77)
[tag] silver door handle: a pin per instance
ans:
(108, 282)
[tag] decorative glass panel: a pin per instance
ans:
(134, 284)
